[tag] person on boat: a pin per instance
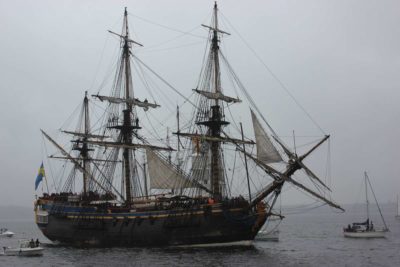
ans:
(372, 226)
(32, 243)
(37, 243)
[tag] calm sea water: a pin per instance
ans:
(312, 238)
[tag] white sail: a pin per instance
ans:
(162, 175)
(266, 151)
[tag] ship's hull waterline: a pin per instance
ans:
(173, 228)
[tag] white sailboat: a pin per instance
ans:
(366, 229)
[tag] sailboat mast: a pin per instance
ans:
(376, 201)
(366, 193)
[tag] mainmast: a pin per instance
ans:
(210, 111)
(130, 120)
(215, 121)
(126, 129)
(215, 127)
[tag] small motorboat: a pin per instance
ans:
(5, 233)
(26, 248)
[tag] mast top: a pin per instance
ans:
(214, 27)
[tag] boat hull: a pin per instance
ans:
(168, 228)
(366, 234)
(38, 251)
(7, 234)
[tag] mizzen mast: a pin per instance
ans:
(81, 144)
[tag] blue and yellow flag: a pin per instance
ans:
(40, 176)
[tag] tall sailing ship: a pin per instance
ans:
(130, 200)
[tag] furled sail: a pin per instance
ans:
(134, 101)
(266, 151)
(217, 96)
(163, 175)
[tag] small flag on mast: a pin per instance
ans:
(40, 176)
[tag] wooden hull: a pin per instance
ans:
(216, 226)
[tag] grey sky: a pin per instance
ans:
(340, 59)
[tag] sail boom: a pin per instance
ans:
(85, 135)
(125, 38)
(215, 139)
(98, 160)
(215, 29)
(217, 96)
(132, 146)
(326, 137)
(133, 101)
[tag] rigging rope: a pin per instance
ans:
(163, 80)
(275, 77)
(169, 28)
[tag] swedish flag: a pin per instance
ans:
(40, 176)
